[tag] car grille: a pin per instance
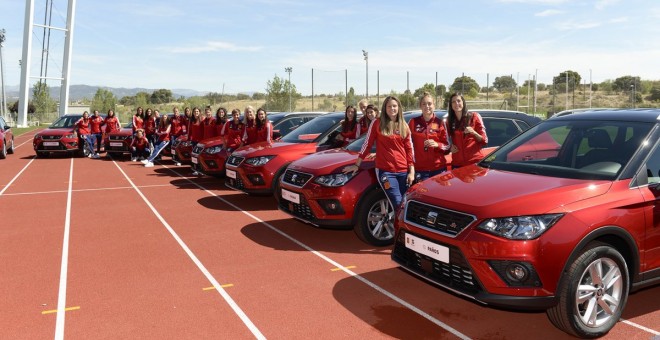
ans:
(117, 137)
(235, 160)
(296, 178)
(116, 148)
(456, 274)
(301, 210)
(56, 137)
(53, 148)
(437, 219)
(198, 149)
(235, 183)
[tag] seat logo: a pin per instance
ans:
(431, 217)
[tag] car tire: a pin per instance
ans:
(375, 223)
(11, 149)
(276, 182)
(3, 152)
(591, 303)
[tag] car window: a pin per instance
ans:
(287, 125)
(2, 124)
(65, 122)
(499, 131)
(653, 166)
(310, 131)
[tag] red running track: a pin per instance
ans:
(154, 253)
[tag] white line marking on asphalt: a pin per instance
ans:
(335, 264)
(61, 298)
(218, 287)
(640, 327)
(15, 177)
(83, 190)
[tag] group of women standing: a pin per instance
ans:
(90, 130)
(161, 131)
(416, 151)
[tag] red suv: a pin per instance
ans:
(6, 139)
(256, 168)
(209, 157)
(572, 231)
(60, 137)
(119, 142)
(316, 191)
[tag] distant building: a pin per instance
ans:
(79, 109)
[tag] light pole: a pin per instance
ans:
(632, 95)
(289, 70)
(3, 102)
(366, 59)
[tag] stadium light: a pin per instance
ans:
(289, 70)
(366, 59)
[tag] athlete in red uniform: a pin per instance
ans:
(429, 137)
(233, 132)
(139, 146)
(394, 157)
(138, 119)
(220, 120)
(264, 127)
(111, 122)
(96, 122)
(195, 127)
(150, 126)
(84, 130)
(163, 134)
(468, 133)
(208, 122)
(250, 134)
(350, 130)
(370, 114)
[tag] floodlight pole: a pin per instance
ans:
(288, 70)
(366, 59)
(3, 102)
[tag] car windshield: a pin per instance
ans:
(64, 122)
(311, 131)
(578, 149)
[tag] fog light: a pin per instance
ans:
(517, 272)
(212, 164)
(331, 207)
(256, 179)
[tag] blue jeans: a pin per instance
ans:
(394, 184)
(159, 147)
(422, 175)
(135, 153)
(89, 139)
(98, 137)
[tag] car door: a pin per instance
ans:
(650, 258)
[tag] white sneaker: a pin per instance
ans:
(96, 156)
(90, 155)
(144, 161)
(195, 173)
(177, 164)
(133, 159)
(148, 165)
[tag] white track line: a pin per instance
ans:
(246, 320)
(335, 264)
(15, 177)
(640, 327)
(61, 299)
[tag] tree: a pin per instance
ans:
(13, 108)
(573, 78)
(408, 101)
(428, 87)
(655, 94)
(142, 99)
(625, 84)
(351, 99)
(43, 103)
(103, 101)
(465, 85)
(162, 96)
(258, 96)
(505, 84)
(279, 91)
(440, 90)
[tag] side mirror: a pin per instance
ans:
(7, 127)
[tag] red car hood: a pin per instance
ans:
(211, 142)
(276, 148)
(122, 132)
(327, 162)
(485, 192)
(56, 132)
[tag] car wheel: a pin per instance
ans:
(3, 152)
(11, 149)
(592, 294)
(276, 183)
(375, 224)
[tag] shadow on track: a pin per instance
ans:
(324, 240)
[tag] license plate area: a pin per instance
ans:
(430, 249)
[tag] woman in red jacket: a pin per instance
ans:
(84, 129)
(138, 119)
(139, 146)
(233, 132)
(163, 135)
(176, 131)
(467, 131)
(209, 123)
(429, 137)
(195, 127)
(150, 127)
(220, 120)
(111, 123)
(370, 114)
(394, 159)
(350, 130)
(250, 135)
(264, 127)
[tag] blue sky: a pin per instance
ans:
(207, 44)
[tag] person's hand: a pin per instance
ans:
(339, 137)
(370, 156)
(454, 148)
(469, 131)
(430, 143)
(350, 168)
(410, 179)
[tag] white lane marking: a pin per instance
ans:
(15, 177)
(335, 264)
(19, 145)
(83, 190)
(61, 298)
(640, 327)
(218, 287)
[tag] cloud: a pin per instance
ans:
(213, 46)
(601, 4)
(569, 26)
(533, 2)
(618, 20)
(547, 13)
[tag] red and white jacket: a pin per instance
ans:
(140, 143)
(265, 132)
(176, 124)
(195, 131)
(429, 159)
(394, 153)
(209, 127)
(96, 123)
(111, 124)
(163, 133)
(250, 134)
(138, 123)
(233, 133)
(349, 134)
(469, 149)
(83, 126)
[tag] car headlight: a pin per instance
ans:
(213, 150)
(70, 136)
(334, 180)
(520, 227)
(186, 143)
(259, 161)
(37, 136)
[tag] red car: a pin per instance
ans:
(256, 168)
(316, 191)
(60, 137)
(209, 156)
(119, 142)
(572, 233)
(6, 139)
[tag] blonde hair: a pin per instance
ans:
(389, 127)
(424, 95)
